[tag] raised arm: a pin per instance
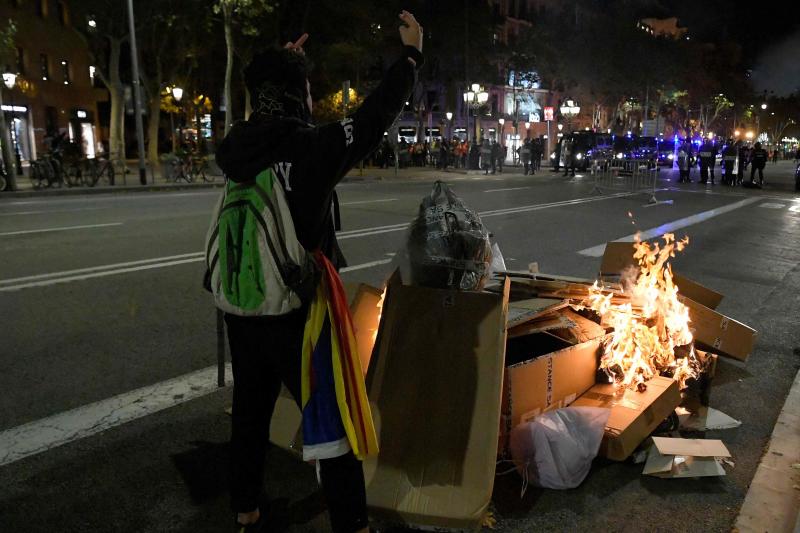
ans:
(340, 145)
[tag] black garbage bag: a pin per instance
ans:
(448, 247)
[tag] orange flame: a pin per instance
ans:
(649, 327)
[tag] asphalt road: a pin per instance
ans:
(100, 295)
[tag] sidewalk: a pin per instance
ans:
(156, 182)
(773, 501)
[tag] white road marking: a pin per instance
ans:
(370, 201)
(81, 277)
(365, 265)
(597, 251)
(65, 228)
(53, 211)
(352, 234)
(112, 266)
(772, 206)
(55, 278)
(508, 189)
(48, 433)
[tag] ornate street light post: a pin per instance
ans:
(475, 97)
(570, 109)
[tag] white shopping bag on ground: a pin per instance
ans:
(555, 450)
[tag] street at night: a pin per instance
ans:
(124, 311)
(346, 266)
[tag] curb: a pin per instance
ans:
(80, 191)
(773, 499)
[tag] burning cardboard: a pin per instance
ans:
(677, 458)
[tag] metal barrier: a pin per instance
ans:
(629, 175)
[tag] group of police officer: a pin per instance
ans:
(755, 156)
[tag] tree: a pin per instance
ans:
(171, 40)
(241, 13)
(7, 55)
(105, 27)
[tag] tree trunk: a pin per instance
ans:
(8, 154)
(227, 11)
(116, 139)
(152, 129)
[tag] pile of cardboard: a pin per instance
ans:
(451, 373)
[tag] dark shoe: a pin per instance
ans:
(256, 527)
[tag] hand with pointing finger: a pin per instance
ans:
(297, 46)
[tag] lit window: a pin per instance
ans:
(92, 71)
(44, 67)
(65, 72)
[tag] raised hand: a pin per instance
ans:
(410, 30)
(297, 46)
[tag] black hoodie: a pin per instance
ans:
(311, 160)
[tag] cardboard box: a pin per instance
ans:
(676, 458)
(634, 415)
(695, 291)
(544, 372)
(435, 384)
(366, 311)
(718, 333)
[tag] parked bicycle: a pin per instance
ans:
(187, 167)
(100, 168)
(46, 172)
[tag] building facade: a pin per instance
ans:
(54, 91)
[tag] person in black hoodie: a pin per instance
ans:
(309, 161)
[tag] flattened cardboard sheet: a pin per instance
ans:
(434, 385)
(523, 311)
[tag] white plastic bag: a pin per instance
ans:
(555, 450)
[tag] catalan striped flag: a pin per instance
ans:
(336, 413)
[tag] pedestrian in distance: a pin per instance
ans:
(486, 156)
(495, 155)
(524, 152)
(775, 155)
(306, 162)
(758, 158)
(444, 154)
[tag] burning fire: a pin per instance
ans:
(651, 325)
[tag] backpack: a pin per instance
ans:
(256, 265)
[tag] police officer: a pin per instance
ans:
(728, 161)
(525, 156)
(743, 154)
(569, 158)
(706, 159)
(683, 163)
(758, 157)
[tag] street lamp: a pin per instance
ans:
(177, 94)
(764, 105)
(9, 80)
(570, 109)
(449, 116)
(475, 98)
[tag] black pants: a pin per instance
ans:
(760, 173)
(264, 353)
